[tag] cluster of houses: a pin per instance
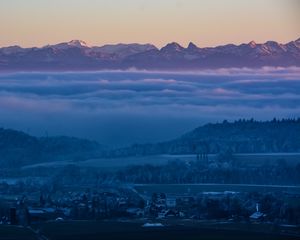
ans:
(75, 206)
(129, 204)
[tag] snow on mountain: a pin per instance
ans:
(122, 50)
(77, 43)
(11, 50)
(252, 44)
(172, 47)
(77, 54)
(192, 47)
(71, 44)
(297, 42)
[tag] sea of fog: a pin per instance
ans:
(125, 107)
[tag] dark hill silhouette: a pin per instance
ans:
(242, 136)
(18, 148)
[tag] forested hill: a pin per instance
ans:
(18, 148)
(242, 136)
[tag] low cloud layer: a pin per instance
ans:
(121, 108)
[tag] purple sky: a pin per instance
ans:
(121, 108)
(98, 22)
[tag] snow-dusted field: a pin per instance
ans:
(186, 189)
(116, 163)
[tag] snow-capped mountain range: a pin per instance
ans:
(78, 55)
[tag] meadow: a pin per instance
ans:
(116, 230)
(251, 160)
(192, 189)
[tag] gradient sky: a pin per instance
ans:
(205, 22)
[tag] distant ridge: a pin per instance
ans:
(78, 55)
(18, 148)
(242, 136)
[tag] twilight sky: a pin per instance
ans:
(205, 22)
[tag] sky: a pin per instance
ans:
(122, 108)
(98, 22)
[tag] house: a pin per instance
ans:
(171, 201)
(41, 214)
(154, 225)
(257, 216)
(159, 200)
(185, 202)
(137, 212)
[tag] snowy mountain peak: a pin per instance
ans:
(252, 44)
(77, 43)
(297, 42)
(77, 55)
(66, 45)
(192, 46)
(172, 47)
(12, 49)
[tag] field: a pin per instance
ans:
(117, 163)
(258, 159)
(16, 233)
(108, 230)
(186, 189)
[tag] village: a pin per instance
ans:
(122, 202)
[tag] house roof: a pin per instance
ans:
(256, 215)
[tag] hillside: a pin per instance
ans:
(243, 136)
(18, 148)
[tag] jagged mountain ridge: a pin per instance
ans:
(78, 55)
